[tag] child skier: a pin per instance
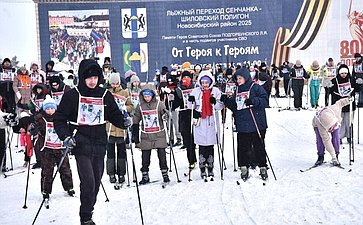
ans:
(52, 150)
(248, 107)
(134, 91)
(117, 135)
(325, 121)
(150, 111)
(206, 98)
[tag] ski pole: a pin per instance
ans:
(127, 171)
(191, 144)
(351, 150)
(26, 188)
(135, 176)
(224, 114)
(263, 143)
(56, 172)
(9, 146)
(104, 191)
(170, 99)
(234, 150)
(218, 146)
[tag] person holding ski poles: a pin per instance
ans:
(248, 105)
(89, 143)
(203, 99)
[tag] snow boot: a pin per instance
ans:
(145, 178)
(335, 162)
(263, 173)
(178, 142)
(121, 179)
(121, 166)
(320, 160)
(45, 195)
(244, 173)
(112, 179)
(37, 165)
(165, 175)
(88, 222)
(71, 192)
(210, 172)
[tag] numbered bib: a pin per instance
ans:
(240, 100)
(344, 89)
(120, 101)
(51, 138)
(230, 88)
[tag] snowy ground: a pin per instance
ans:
(324, 195)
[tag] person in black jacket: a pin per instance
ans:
(344, 85)
(86, 108)
(298, 75)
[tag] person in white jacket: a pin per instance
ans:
(205, 102)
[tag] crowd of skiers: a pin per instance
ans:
(90, 115)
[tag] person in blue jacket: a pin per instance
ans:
(248, 105)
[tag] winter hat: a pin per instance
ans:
(206, 78)
(357, 55)
(229, 71)
(114, 78)
(343, 70)
(164, 70)
(6, 60)
(128, 73)
(89, 68)
(107, 59)
(243, 72)
(49, 103)
(186, 65)
(148, 92)
(298, 62)
(134, 78)
(315, 64)
(54, 80)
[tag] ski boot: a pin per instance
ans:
(165, 176)
(145, 178)
(335, 162)
(88, 222)
(210, 173)
(319, 161)
(71, 192)
(244, 173)
(263, 173)
(45, 195)
(203, 174)
(121, 179)
(112, 179)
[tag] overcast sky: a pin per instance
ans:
(18, 30)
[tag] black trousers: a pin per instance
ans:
(90, 170)
(2, 148)
(188, 141)
(247, 142)
(298, 92)
(145, 159)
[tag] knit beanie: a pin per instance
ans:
(134, 78)
(49, 103)
(114, 78)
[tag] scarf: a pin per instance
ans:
(207, 109)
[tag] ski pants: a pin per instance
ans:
(206, 156)
(145, 159)
(287, 86)
(326, 97)
(345, 126)
(111, 163)
(188, 140)
(247, 142)
(51, 158)
(331, 144)
(314, 94)
(298, 92)
(277, 88)
(90, 170)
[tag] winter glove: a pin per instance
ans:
(69, 142)
(191, 98)
(329, 84)
(249, 102)
(127, 122)
(196, 114)
(224, 98)
(32, 129)
(212, 100)
(165, 90)
(359, 81)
